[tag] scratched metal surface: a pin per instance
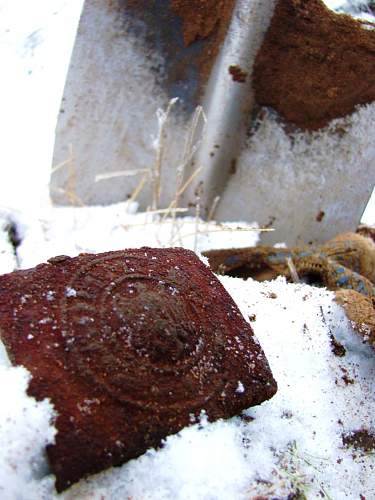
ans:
(129, 62)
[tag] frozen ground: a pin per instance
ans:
(293, 443)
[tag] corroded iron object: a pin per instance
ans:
(129, 346)
(345, 262)
(345, 265)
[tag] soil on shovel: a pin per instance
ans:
(201, 18)
(314, 65)
(187, 33)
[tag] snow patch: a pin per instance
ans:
(70, 231)
(25, 430)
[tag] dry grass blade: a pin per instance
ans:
(168, 210)
(189, 151)
(72, 197)
(70, 191)
(64, 163)
(212, 210)
(198, 194)
(172, 208)
(121, 173)
(222, 229)
(293, 270)
(139, 188)
(159, 146)
(191, 146)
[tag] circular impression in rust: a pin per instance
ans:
(144, 337)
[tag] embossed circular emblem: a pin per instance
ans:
(142, 332)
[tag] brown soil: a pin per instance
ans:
(337, 348)
(204, 20)
(360, 440)
(201, 18)
(314, 65)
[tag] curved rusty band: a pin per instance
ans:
(337, 264)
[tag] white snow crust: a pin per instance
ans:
(70, 231)
(26, 427)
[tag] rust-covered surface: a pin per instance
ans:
(128, 346)
(314, 65)
(347, 261)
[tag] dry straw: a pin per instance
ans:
(155, 215)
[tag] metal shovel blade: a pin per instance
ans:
(159, 106)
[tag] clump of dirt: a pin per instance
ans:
(360, 440)
(337, 348)
(206, 20)
(320, 216)
(314, 65)
(201, 18)
(238, 74)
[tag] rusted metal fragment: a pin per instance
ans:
(345, 265)
(314, 65)
(347, 261)
(128, 346)
(361, 312)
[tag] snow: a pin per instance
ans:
(312, 395)
(298, 163)
(70, 231)
(240, 387)
(357, 8)
(292, 442)
(70, 292)
(36, 39)
(25, 430)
